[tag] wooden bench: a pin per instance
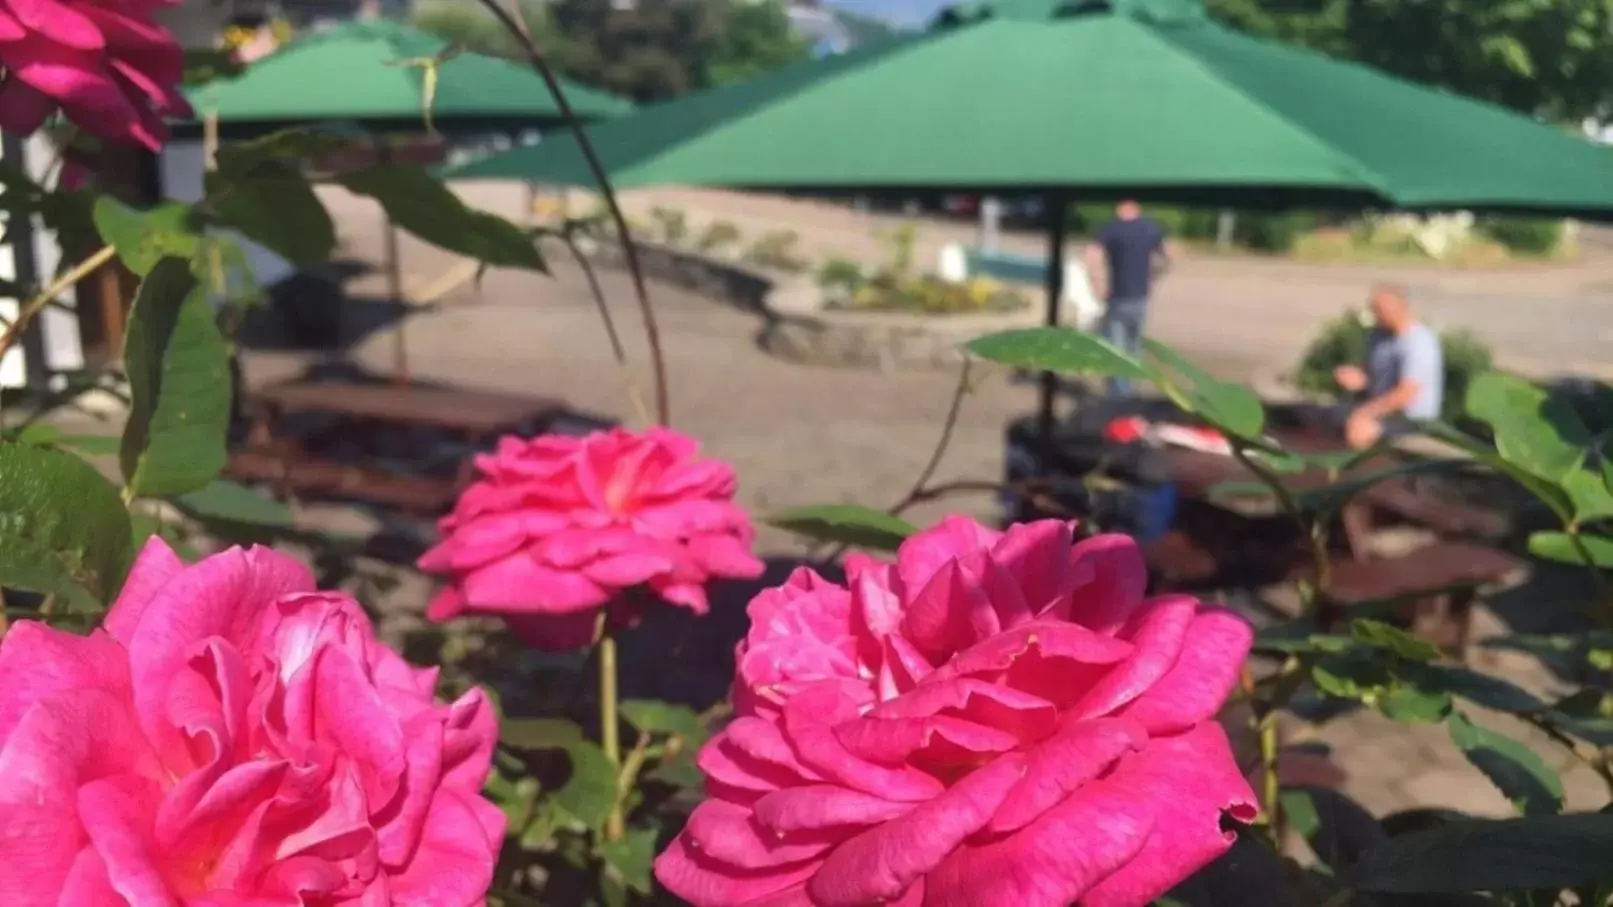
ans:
(359, 412)
(1438, 584)
(1177, 562)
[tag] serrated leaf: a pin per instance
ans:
(1559, 546)
(1063, 350)
(1535, 431)
(847, 524)
(1507, 855)
(539, 733)
(63, 529)
(590, 793)
(143, 238)
(651, 716)
(425, 206)
(1385, 636)
(1521, 775)
(1230, 407)
(179, 385)
(631, 856)
(275, 206)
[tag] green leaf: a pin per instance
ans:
(275, 206)
(205, 64)
(144, 238)
(1413, 705)
(631, 856)
(1517, 771)
(1384, 636)
(1062, 350)
(40, 434)
(287, 146)
(590, 793)
(94, 445)
(424, 206)
(1554, 497)
(1507, 855)
(1466, 683)
(179, 384)
(1592, 501)
(539, 733)
(847, 524)
(236, 512)
(63, 529)
(1534, 431)
(1559, 546)
(678, 771)
(1230, 407)
(651, 716)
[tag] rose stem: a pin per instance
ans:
(609, 738)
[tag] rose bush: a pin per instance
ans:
(104, 64)
(994, 719)
(232, 738)
(558, 527)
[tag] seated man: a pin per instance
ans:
(1403, 380)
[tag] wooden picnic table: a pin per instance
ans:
(360, 418)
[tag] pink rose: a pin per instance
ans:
(232, 738)
(104, 63)
(995, 720)
(558, 527)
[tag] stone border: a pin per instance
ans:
(729, 282)
(799, 329)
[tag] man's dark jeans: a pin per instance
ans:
(1122, 326)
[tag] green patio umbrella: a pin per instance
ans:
(1144, 98)
(367, 72)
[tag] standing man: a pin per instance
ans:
(1403, 380)
(1122, 262)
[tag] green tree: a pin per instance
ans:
(1549, 58)
(756, 38)
(647, 50)
(466, 24)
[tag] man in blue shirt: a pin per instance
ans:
(1403, 380)
(1122, 261)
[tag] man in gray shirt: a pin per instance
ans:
(1403, 381)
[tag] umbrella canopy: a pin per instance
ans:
(357, 72)
(1149, 98)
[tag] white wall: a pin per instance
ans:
(180, 169)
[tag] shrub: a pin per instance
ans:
(673, 225)
(1259, 231)
(718, 237)
(1524, 236)
(777, 250)
(1343, 341)
(840, 279)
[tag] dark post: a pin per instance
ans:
(1058, 204)
(394, 279)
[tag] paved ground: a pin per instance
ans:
(799, 435)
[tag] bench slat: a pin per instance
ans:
(1432, 568)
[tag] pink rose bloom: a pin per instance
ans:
(558, 527)
(995, 720)
(103, 63)
(231, 737)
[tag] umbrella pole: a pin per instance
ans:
(394, 288)
(1057, 208)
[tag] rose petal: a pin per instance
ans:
(1185, 782)
(1058, 766)
(820, 806)
(1159, 632)
(881, 863)
(698, 879)
(1119, 580)
(1204, 675)
(729, 833)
